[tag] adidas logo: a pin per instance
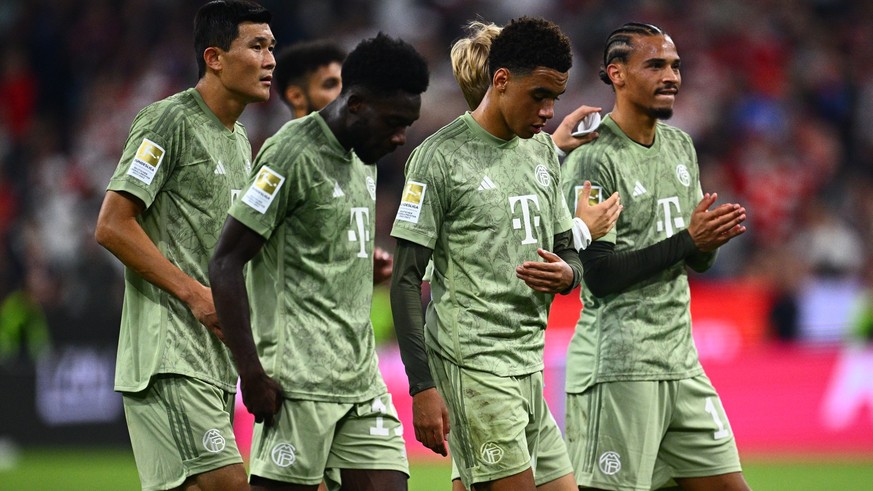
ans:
(486, 184)
(219, 169)
(337, 191)
(639, 190)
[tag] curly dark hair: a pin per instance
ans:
(217, 24)
(295, 62)
(385, 65)
(530, 42)
(619, 46)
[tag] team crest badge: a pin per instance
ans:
(683, 175)
(213, 441)
(542, 176)
(284, 454)
(610, 463)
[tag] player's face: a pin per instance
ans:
(247, 67)
(325, 84)
(527, 102)
(652, 77)
(381, 124)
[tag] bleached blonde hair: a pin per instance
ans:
(470, 60)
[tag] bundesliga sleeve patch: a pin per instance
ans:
(146, 161)
(596, 195)
(410, 204)
(264, 189)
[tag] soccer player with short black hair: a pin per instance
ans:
(483, 199)
(185, 159)
(308, 75)
(640, 409)
(300, 328)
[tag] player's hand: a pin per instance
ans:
(551, 276)
(383, 265)
(262, 396)
(203, 308)
(710, 229)
(431, 420)
(601, 217)
(563, 137)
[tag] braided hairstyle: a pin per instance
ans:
(619, 47)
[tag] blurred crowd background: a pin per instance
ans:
(777, 94)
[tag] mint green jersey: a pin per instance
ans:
(644, 332)
(484, 205)
(186, 167)
(311, 286)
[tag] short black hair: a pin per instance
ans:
(217, 24)
(385, 65)
(619, 46)
(530, 42)
(295, 62)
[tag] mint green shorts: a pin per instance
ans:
(179, 427)
(640, 435)
(310, 438)
(500, 426)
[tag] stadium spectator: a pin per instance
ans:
(306, 223)
(640, 410)
(185, 158)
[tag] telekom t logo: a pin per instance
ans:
(670, 223)
(525, 215)
(358, 222)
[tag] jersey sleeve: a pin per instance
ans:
(275, 188)
(150, 155)
(422, 205)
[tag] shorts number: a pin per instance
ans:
(713, 411)
(380, 430)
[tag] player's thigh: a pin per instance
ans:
(228, 478)
(489, 417)
(296, 448)
(369, 438)
(551, 462)
(699, 441)
(732, 481)
(181, 427)
(613, 432)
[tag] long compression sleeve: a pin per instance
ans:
(410, 262)
(564, 249)
(607, 272)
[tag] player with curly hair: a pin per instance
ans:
(305, 224)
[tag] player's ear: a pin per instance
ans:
(296, 98)
(615, 72)
(212, 57)
(355, 101)
(500, 79)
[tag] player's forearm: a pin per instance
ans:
(232, 306)
(125, 238)
(608, 272)
(410, 262)
(701, 261)
(564, 249)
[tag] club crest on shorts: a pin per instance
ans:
(610, 463)
(683, 175)
(284, 454)
(213, 441)
(542, 176)
(490, 453)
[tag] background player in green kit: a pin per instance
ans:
(306, 222)
(308, 75)
(640, 409)
(184, 160)
(483, 199)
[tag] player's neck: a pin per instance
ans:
(489, 117)
(637, 126)
(225, 107)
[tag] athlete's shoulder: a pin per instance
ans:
(669, 132)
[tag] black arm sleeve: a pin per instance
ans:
(410, 262)
(608, 272)
(564, 249)
(701, 261)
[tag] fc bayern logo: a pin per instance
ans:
(542, 175)
(683, 175)
(213, 441)
(284, 454)
(610, 463)
(491, 453)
